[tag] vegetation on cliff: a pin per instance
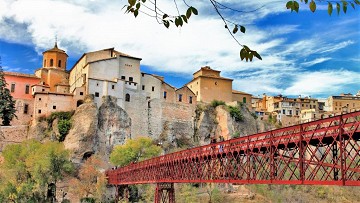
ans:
(134, 150)
(31, 170)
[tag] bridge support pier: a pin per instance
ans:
(164, 193)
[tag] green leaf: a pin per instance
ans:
(344, 6)
(257, 55)
(242, 29)
(184, 18)
(289, 5)
(226, 26)
(250, 55)
(177, 22)
(247, 48)
(312, 6)
(188, 12)
(143, 1)
(357, 2)
(243, 53)
(194, 11)
(306, 1)
(330, 8)
(166, 23)
(235, 29)
(136, 13)
(138, 6)
(165, 16)
(338, 8)
(352, 5)
(180, 21)
(132, 2)
(296, 6)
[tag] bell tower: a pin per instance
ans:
(55, 58)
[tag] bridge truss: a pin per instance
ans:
(323, 152)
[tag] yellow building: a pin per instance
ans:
(343, 103)
(208, 85)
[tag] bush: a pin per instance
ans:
(61, 115)
(236, 113)
(216, 103)
(87, 200)
(64, 127)
(253, 114)
(236, 134)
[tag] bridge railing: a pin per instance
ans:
(320, 152)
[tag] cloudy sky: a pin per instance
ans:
(303, 53)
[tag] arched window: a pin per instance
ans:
(127, 97)
(79, 102)
(244, 100)
(51, 62)
(59, 64)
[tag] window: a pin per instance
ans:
(165, 94)
(54, 107)
(112, 86)
(26, 108)
(197, 93)
(43, 90)
(27, 89)
(297, 113)
(51, 62)
(143, 87)
(39, 111)
(244, 100)
(335, 103)
(142, 74)
(131, 79)
(290, 112)
(96, 94)
(97, 84)
(44, 63)
(215, 83)
(302, 105)
(283, 111)
(180, 97)
(81, 93)
(39, 99)
(152, 88)
(123, 77)
(59, 63)
(127, 97)
(190, 99)
(12, 87)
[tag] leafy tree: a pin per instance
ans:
(7, 104)
(135, 150)
(151, 9)
(91, 180)
(31, 168)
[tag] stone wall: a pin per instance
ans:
(12, 135)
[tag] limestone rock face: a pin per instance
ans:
(114, 127)
(82, 136)
(218, 122)
(39, 130)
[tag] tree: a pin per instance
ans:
(31, 168)
(7, 104)
(135, 150)
(151, 9)
(91, 180)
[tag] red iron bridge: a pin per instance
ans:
(322, 152)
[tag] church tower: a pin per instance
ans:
(55, 58)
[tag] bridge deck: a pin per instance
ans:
(325, 152)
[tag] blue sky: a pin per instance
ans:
(303, 53)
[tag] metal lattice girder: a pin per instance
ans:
(323, 152)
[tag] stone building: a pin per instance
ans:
(208, 85)
(343, 103)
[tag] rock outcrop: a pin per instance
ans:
(81, 139)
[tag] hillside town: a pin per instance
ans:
(108, 72)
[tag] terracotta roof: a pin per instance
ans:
(239, 92)
(55, 49)
(20, 74)
(206, 68)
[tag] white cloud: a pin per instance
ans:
(315, 61)
(326, 81)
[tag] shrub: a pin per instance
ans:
(61, 115)
(236, 113)
(64, 127)
(253, 114)
(216, 103)
(236, 134)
